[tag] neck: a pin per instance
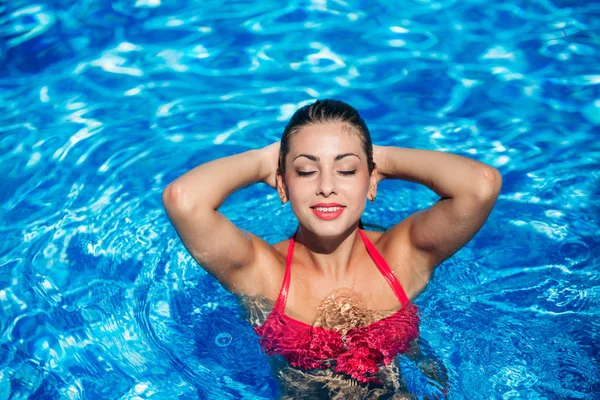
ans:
(330, 255)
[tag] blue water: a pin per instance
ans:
(103, 103)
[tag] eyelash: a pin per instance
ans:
(347, 173)
(343, 173)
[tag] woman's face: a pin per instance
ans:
(327, 179)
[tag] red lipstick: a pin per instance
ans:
(328, 211)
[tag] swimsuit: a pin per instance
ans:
(362, 349)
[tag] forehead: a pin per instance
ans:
(324, 139)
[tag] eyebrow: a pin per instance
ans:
(316, 159)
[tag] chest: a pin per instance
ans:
(362, 294)
(353, 300)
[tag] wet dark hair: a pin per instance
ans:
(323, 112)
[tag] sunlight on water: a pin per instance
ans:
(102, 104)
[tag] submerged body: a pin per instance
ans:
(325, 383)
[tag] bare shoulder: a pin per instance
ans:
(264, 277)
(409, 264)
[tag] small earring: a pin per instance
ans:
(372, 199)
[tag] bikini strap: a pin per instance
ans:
(285, 286)
(384, 268)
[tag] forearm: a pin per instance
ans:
(208, 185)
(437, 373)
(433, 368)
(447, 174)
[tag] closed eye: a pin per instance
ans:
(305, 173)
(308, 173)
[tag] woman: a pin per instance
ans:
(334, 302)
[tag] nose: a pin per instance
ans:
(326, 186)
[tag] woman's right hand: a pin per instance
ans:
(270, 155)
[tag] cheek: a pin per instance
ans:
(357, 187)
(299, 190)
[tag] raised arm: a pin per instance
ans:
(467, 188)
(192, 203)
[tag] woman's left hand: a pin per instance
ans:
(379, 160)
(270, 156)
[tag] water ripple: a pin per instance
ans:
(102, 104)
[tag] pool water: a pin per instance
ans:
(103, 103)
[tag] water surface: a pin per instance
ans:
(102, 104)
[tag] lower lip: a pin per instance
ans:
(328, 216)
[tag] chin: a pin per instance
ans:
(330, 229)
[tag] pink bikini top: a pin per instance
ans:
(357, 354)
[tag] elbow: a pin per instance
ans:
(175, 198)
(490, 183)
